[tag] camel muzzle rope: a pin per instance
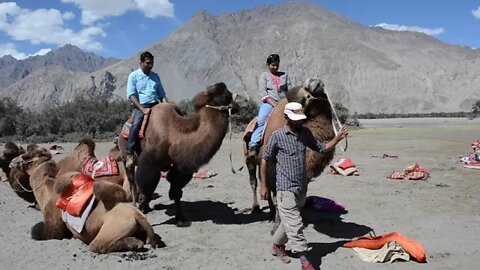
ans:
(338, 121)
(229, 109)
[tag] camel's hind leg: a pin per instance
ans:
(178, 179)
(116, 233)
(147, 177)
(252, 172)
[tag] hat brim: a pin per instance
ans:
(295, 116)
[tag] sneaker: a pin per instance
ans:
(306, 265)
(279, 251)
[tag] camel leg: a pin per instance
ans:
(130, 172)
(252, 171)
(147, 177)
(116, 233)
(178, 180)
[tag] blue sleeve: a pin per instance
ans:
(313, 143)
(271, 148)
(131, 86)
(160, 90)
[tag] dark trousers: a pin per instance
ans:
(132, 145)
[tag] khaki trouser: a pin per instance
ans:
(291, 226)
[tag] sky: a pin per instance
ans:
(122, 28)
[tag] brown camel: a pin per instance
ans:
(18, 183)
(181, 144)
(112, 225)
(317, 108)
(86, 148)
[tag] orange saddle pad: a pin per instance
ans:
(76, 197)
(413, 248)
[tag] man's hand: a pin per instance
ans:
(343, 133)
(264, 192)
(146, 111)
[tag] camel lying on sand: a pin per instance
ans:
(112, 225)
(181, 144)
(19, 184)
(318, 110)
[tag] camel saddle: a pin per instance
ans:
(98, 168)
(77, 196)
(126, 127)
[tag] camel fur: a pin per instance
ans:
(112, 224)
(319, 120)
(181, 144)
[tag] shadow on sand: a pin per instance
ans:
(333, 226)
(217, 212)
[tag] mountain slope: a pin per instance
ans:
(367, 69)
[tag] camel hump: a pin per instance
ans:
(109, 192)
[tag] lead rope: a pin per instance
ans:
(338, 122)
(230, 130)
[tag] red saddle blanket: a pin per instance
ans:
(76, 197)
(126, 127)
(108, 167)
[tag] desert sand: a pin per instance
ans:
(442, 213)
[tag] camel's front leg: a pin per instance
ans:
(147, 177)
(178, 180)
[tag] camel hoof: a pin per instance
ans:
(145, 208)
(182, 223)
(157, 242)
(256, 210)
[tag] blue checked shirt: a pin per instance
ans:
(147, 88)
(287, 150)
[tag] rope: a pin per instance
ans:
(225, 108)
(338, 121)
(230, 131)
(24, 189)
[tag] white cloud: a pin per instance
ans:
(396, 27)
(10, 49)
(155, 8)
(94, 10)
(46, 26)
(476, 13)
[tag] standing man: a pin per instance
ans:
(144, 90)
(286, 148)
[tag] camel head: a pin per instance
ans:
(217, 96)
(30, 160)
(312, 96)
(10, 152)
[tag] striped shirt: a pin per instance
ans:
(287, 150)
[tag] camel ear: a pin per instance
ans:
(64, 181)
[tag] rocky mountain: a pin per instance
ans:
(70, 57)
(367, 69)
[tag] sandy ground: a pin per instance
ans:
(441, 213)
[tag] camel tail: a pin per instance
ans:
(152, 238)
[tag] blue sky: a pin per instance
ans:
(121, 28)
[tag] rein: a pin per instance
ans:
(229, 109)
(24, 189)
(338, 122)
